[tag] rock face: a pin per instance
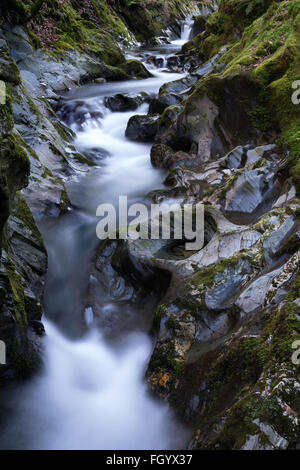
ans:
(213, 119)
(22, 277)
(158, 105)
(227, 324)
(160, 154)
(150, 20)
(225, 303)
(198, 26)
(250, 190)
(23, 256)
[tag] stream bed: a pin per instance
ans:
(92, 392)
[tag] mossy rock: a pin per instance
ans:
(135, 69)
(9, 71)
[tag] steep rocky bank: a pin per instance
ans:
(228, 136)
(231, 315)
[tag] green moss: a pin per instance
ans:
(164, 358)
(21, 211)
(135, 68)
(17, 290)
(262, 118)
(111, 53)
(9, 71)
(16, 161)
(172, 324)
(269, 52)
(94, 31)
(149, 18)
(65, 201)
(46, 173)
(158, 316)
(21, 154)
(6, 117)
(284, 326)
(241, 364)
(81, 159)
(33, 38)
(225, 26)
(207, 275)
(116, 73)
(246, 60)
(238, 426)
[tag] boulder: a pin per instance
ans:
(254, 296)
(275, 240)
(227, 284)
(158, 105)
(174, 63)
(158, 61)
(135, 69)
(234, 159)
(142, 128)
(251, 189)
(100, 80)
(179, 86)
(122, 102)
(9, 71)
(167, 129)
(216, 117)
(160, 154)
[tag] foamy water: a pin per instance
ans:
(93, 397)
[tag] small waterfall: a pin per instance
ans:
(186, 29)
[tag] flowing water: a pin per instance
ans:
(186, 29)
(92, 393)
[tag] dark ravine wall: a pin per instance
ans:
(23, 257)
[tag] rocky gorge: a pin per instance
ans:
(160, 101)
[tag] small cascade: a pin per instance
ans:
(186, 29)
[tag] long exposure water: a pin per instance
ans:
(92, 393)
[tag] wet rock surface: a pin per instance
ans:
(121, 102)
(227, 322)
(142, 128)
